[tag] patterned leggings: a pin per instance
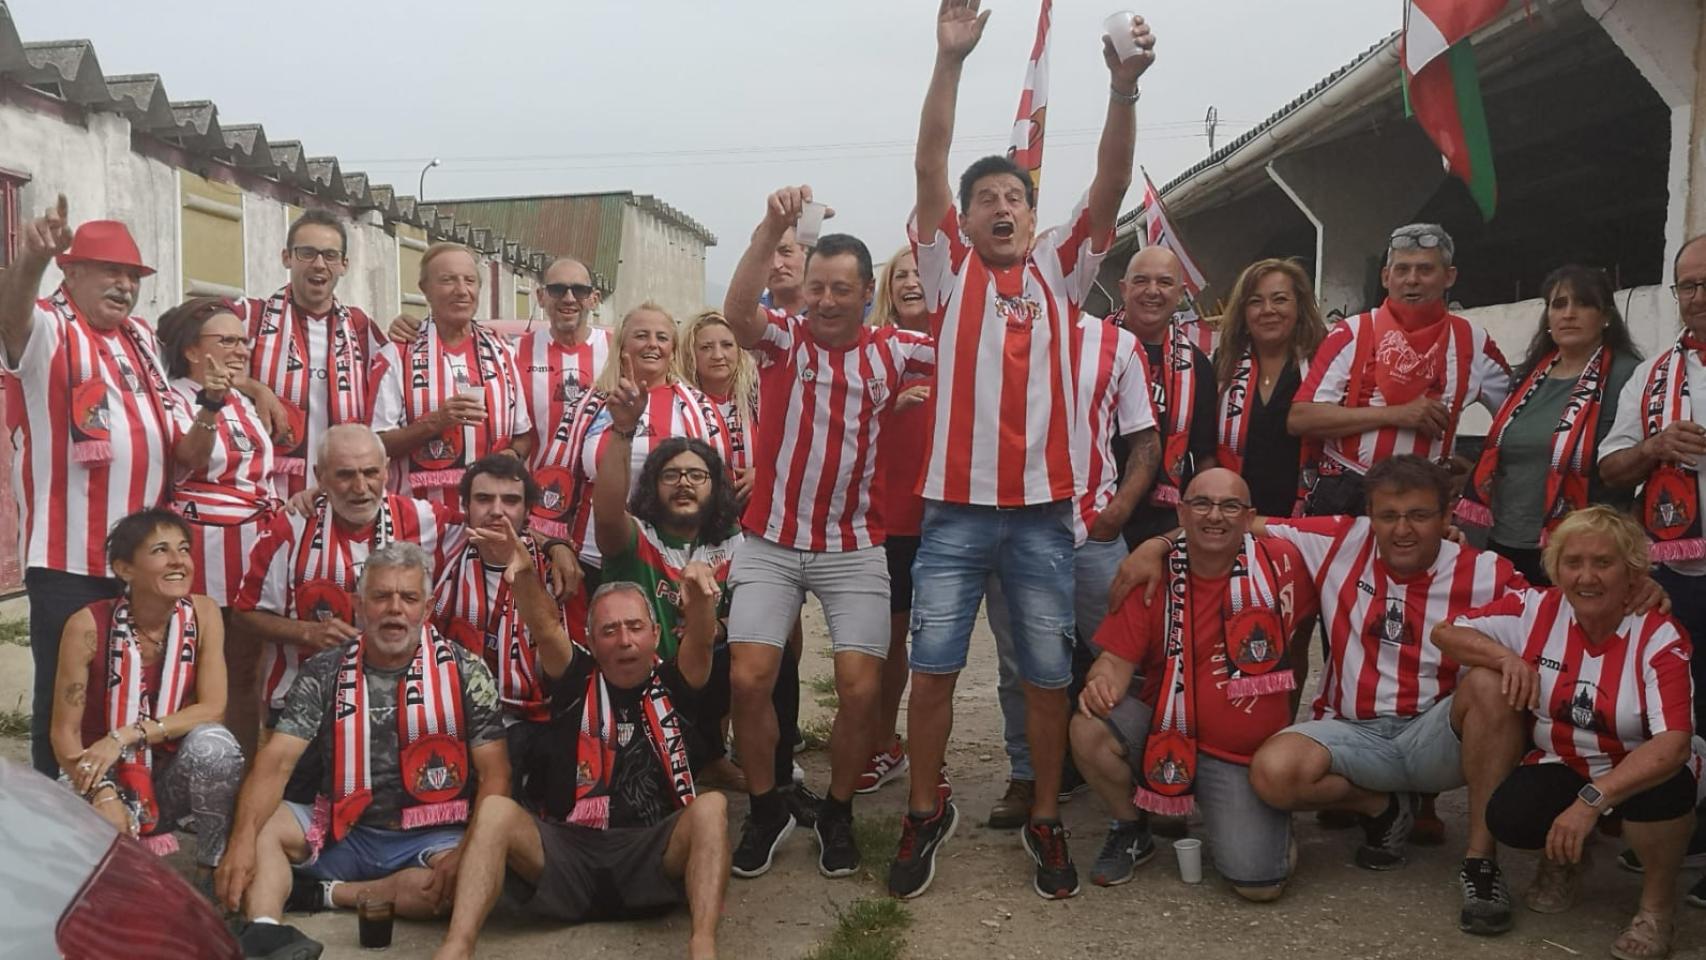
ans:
(196, 789)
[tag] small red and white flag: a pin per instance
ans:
(1159, 232)
(1026, 148)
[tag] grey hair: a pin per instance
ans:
(341, 429)
(618, 586)
(394, 555)
(1447, 247)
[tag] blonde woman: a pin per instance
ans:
(710, 359)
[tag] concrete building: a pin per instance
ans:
(1599, 148)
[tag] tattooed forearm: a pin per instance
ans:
(1143, 460)
(74, 694)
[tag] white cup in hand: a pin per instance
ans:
(1118, 29)
(810, 224)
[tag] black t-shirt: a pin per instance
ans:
(1270, 451)
(1148, 519)
(640, 791)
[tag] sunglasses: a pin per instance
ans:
(1411, 241)
(558, 290)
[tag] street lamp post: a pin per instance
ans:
(421, 190)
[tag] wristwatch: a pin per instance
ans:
(1595, 798)
(208, 403)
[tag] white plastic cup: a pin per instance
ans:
(1118, 29)
(475, 393)
(1189, 852)
(811, 223)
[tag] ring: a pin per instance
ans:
(86, 765)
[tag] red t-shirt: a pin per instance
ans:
(1229, 730)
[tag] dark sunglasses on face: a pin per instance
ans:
(558, 290)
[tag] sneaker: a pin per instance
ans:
(278, 941)
(1128, 846)
(837, 850)
(1384, 836)
(883, 767)
(915, 861)
(307, 895)
(798, 774)
(1056, 877)
(1696, 895)
(1072, 783)
(1693, 858)
(1013, 810)
(758, 845)
(1555, 887)
(1429, 829)
(1486, 899)
(802, 803)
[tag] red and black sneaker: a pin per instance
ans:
(1045, 841)
(920, 837)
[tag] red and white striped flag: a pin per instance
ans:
(1026, 148)
(1159, 231)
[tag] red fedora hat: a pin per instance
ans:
(104, 241)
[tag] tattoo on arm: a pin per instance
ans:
(74, 694)
(1144, 460)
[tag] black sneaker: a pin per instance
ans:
(837, 850)
(1056, 877)
(915, 861)
(307, 895)
(1384, 836)
(1693, 858)
(1128, 846)
(758, 844)
(1696, 895)
(1486, 899)
(802, 803)
(277, 941)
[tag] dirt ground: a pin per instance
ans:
(981, 906)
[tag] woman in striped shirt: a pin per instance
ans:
(712, 361)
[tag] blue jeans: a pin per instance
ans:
(369, 853)
(1093, 567)
(1028, 550)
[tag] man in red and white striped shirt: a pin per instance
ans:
(1396, 379)
(560, 363)
(1003, 470)
(94, 437)
(811, 523)
(309, 349)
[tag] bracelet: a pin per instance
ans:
(141, 731)
(113, 735)
(210, 427)
(1132, 97)
(626, 434)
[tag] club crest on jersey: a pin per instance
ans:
(624, 733)
(1582, 711)
(1018, 313)
(569, 388)
(241, 443)
(1391, 627)
(877, 389)
(808, 374)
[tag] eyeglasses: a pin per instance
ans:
(558, 290)
(226, 340)
(1410, 241)
(674, 475)
(1230, 509)
(1416, 517)
(310, 254)
(1688, 290)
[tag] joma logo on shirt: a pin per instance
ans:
(1552, 664)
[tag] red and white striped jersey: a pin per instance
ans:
(93, 438)
(305, 568)
(1004, 405)
(554, 377)
(227, 500)
(817, 456)
(1382, 659)
(1596, 705)
(1113, 396)
(1474, 371)
(742, 435)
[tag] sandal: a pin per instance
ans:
(1645, 938)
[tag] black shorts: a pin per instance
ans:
(901, 552)
(602, 874)
(1520, 812)
(705, 728)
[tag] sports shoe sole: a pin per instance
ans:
(930, 875)
(769, 857)
(833, 874)
(892, 774)
(1131, 874)
(1077, 886)
(1484, 926)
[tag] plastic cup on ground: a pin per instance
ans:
(374, 917)
(1189, 852)
(1118, 29)
(811, 223)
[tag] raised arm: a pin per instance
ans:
(612, 525)
(1119, 129)
(740, 305)
(43, 238)
(958, 28)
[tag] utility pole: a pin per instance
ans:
(1209, 122)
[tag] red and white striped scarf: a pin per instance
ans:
(1257, 663)
(281, 359)
(487, 623)
(1670, 499)
(91, 421)
(127, 703)
(563, 493)
(1172, 390)
(432, 745)
(1235, 403)
(1571, 458)
(326, 569)
(595, 760)
(441, 461)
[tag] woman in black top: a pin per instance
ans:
(1271, 328)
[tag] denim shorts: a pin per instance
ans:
(369, 853)
(1031, 550)
(1420, 754)
(770, 582)
(1249, 842)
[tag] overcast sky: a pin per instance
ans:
(707, 105)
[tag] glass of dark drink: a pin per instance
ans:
(375, 918)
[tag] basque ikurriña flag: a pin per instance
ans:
(1443, 90)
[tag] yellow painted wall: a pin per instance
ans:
(212, 240)
(409, 269)
(523, 305)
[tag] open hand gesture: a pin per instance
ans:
(959, 27)
(49, 235)
(506, 548)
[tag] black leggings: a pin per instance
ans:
(1521, 810)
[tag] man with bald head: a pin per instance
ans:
(1212, 653)
(1181, 387)
(560, 361)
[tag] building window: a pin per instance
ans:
(11, 215)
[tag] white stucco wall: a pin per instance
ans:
(661, 262)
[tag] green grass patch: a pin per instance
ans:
(866, 930)
(815, 732)
(14, 723)
(16, 632)
(822, 683)
(878, 837)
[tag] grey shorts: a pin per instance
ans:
(770, 583)
(1249, 842)
(1421, 754)
(601, 874)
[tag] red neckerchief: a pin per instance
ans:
(1410, 349)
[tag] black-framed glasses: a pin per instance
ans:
(1416, 517)
(310, 254)
(1230, 509)
(227, 340)
(694, 475)
(1688, 290)
(558, 290)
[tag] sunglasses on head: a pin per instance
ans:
(1410, 241)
